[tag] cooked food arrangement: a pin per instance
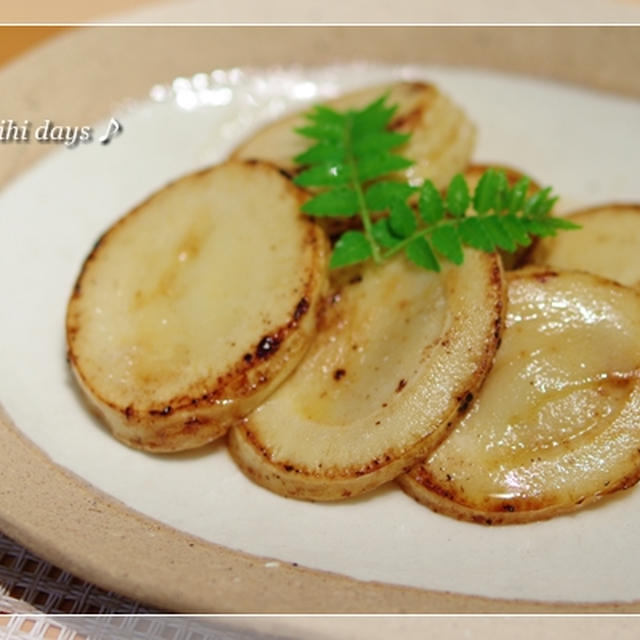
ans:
(350, 302)
(381, 383)
(556, 422)
(194, 307)
(441, 143)
(607, 244)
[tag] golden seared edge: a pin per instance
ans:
(607, 244)
(441, 142)
(399, 353)
(194, 307)
(557, 424)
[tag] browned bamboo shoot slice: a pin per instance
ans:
(556, 425)
(194, 307)
(608, 244)
(399, 352)
(442, 137)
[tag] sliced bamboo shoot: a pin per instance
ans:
(557, 423)
(399, 352)
(194, 307)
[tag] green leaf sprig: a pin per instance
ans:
(352, 154)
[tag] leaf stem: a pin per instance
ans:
(363, 210)
(423, 231)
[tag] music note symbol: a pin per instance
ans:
(114, 129)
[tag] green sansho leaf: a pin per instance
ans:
(498, 233)
(446, 241)
(381, 194)
(327, 174)
(420, 253)
(518, 194)
(342, 202)
(377, 142)
(377, 165)
(353, 168)
(383, 234)
(351, 247)
(516, 229)
(402, 220)
(563, 223)
(458, 199)
(484, 195)
(537, 204)
(374, 117)
(473, 233)
(430, 204)
(323, 152)
(326, 124)
(502, 193)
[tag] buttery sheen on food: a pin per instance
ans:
(398, 352)
(557, 422)
(194, 307)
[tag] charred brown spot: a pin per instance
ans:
(508, 507)
(165, 411)
(373, 465)
(192, 425)
(465, 402)
(408, 121)
(402, 383)
(128, 412)
(338, 374)
(285, 173)
(497, 334)
(267, 347)
(301, 308)
(544, 276)
(355, 279)
(423, 477)
(255, 442)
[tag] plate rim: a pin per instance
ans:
(67, 543)
(63, 535)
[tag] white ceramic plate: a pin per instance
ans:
(583, 143)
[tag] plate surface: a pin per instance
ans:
(577, 140)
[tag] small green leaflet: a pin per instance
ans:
(352, 167)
